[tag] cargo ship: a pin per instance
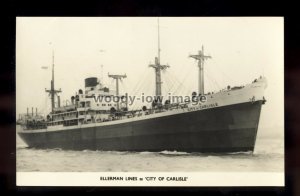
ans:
(214, 122)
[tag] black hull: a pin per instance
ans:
(222, 129)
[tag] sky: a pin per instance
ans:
(242, 49)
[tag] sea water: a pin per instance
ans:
(268, 156)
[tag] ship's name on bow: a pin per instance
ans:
(201, 107)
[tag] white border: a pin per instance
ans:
(194, 179)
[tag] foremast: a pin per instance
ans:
(200, 57)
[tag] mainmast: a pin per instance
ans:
(117, 78)
(201, 58)
(157, 68)
(52, 91)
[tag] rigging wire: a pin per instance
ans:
(139, 83)
(177, 80)
(210, 84)
(214, 83)
(181, 84)
(168, 82)
(220, 70)
(143, 90)
(173, 80)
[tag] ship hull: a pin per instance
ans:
(231, 128)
